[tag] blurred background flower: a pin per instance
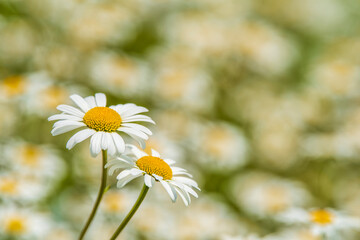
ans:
(258, 99)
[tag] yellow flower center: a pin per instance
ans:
(14, 85)
(321, 217)
(8, 186)
(102, 119)
(15, 225)
(154, 165)
(53, 96)
(114, 202)
(30, 155)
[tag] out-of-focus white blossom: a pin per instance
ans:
(263, 195)
(322, 222)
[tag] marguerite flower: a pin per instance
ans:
(101, 123)
(322, 222)
(20, 223)
(137, 163)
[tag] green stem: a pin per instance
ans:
(99, 196)
(141, 197)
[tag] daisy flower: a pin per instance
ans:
(323, 222)
(137, 163)
(101, 123)
(40, 161)
(15, 186)
(19, 223)
(264, 195)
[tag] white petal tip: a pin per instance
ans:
(54, 133)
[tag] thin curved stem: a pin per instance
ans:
(123, 224)
(99, 196)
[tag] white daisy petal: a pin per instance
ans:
(119, 142)
(133, 132)
(178, 169)
(154, 153)
(100, 99)
(112, 167)
(91, 101)
(62, 123)
(135, 171)
(70, 110)
(123, 174)
(80, 102)
(122, 159)
(79, 137)
(137, 118)
(95, 144)
(121, 108)
(121, 183)
(64, 117)
(169, 161)
(104, 142)
(148, 180)
(113, 162)
(189, 190)
(111, 144)
(134, 110)
(157, 177)
(115, 108)
(137, 127)
(63, 129)
(170, 190)
(180, 187)
(317, 230)
(139, 140)
(127, 159)
(185, 197)
(176, 174)
(139, 154)
(186, 181)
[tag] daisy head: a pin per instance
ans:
(330, 222)
(19, 223)
(137, 163)
(322, 222)
(103, 124)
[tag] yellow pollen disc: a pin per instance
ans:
(30, 155)
(114, 202)
(102, 119)
(15, 225)
(154, 165)
(321, 217)
(53, 96)
(14, 85)
(8, 186)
